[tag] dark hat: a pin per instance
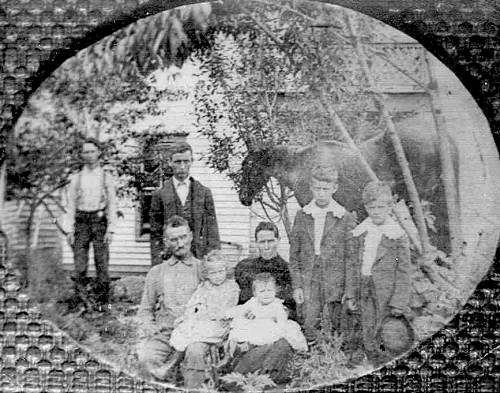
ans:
(396, 335)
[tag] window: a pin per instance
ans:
(154, 170)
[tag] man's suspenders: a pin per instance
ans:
(103, 189)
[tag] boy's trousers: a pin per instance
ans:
(315, 299)
(371, 317)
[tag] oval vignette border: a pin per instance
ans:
(470, 33)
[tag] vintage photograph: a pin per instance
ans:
(251, 195)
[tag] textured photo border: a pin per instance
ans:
(449, 29)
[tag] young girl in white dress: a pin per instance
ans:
(204, 314)
(204, 319)
(263, 319)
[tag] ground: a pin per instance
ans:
(112, 336)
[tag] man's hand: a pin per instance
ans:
(351, 305)
(108, 237)
(70, 237)
(148, 330)
(298, 295)
(249, 314)
(396, 312)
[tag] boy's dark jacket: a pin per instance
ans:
(333, 251)
(390, 272)
(200, 214)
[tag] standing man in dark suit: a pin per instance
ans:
(183, 196)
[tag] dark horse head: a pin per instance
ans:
(255, 173)
(288, 165)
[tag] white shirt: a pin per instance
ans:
(86, 193)
(374, 233)
(182, 189)
(319, 216)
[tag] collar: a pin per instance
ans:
(262, 261)
(337, 209)
(174, 261)
(177, 182)
(390, 228)
(86, 169)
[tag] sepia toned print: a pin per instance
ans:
(302, 140)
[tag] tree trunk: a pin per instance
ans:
(3, 189)
(398, 147)
(285, 215)
(448, 176)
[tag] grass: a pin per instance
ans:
(325, 363)
(112, 336)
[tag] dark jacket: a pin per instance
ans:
(248, 268)
(390, 272)
(333, 251)
(199, 211)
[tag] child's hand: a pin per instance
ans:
(298, 295)
(178, 321)
(244, 347)
(249, 314)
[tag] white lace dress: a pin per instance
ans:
(270, 324)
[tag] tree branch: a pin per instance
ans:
(54, 218)
(398, 148)
(398, 68)
(345, 134)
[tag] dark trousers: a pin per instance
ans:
(314, 302)
(371, 317)
(90, 227)
(271, 359)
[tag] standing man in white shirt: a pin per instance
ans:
(91, 218)
(186, 197)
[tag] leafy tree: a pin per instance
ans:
(101, 92)
(268, 60)
(273, 75)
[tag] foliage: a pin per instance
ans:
(104, 89)
(157, 41)
(128, 289)
(325, 363)
(272, 76)
(111, 335)
(251, 382)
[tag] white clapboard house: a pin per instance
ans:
(130, 250)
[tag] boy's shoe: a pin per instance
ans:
(311, 344)
(167, 370)
(223, 362)
(356, 358)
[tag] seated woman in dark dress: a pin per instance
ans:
(271, 359)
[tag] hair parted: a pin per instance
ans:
(214, 259)
(267, 226)
(92, 141)
(375, 190)
(176, 222)
(181, 147)
(263, 278)
(326, 174)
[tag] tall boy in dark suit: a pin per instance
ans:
(317, 253)
(186, 197)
